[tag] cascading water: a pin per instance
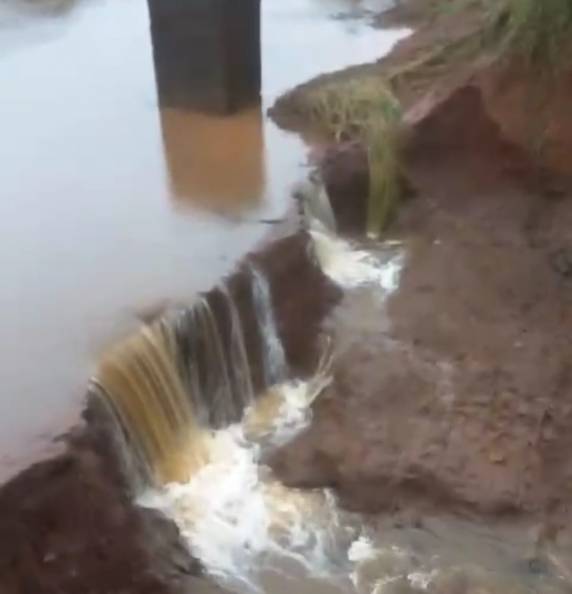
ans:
(177, 379)
(275, 366)
(346, 266)
(315, 206)
(211, 363)
(189, 372)
(183, 391)
(238, 357)
(142, 381)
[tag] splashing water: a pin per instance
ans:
(338, 259)
(315, 206)
(237, 519)
(351, 268)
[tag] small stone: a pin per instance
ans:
(561, 262)
(536, 566)
(497, 457)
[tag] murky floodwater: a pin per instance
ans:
(108, 204)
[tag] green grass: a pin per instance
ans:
(538, 31)
(365, 110)
(385, 175)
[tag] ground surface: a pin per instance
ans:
(69, 526)
(457, 396)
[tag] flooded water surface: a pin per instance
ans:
(109, 204)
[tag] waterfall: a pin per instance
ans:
(315, 206)
(183, 392)
(238, 356)
(274, 358)
(185, 374)
(141, 378)
(204, 364)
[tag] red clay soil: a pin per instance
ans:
(530, 103)
(345, 173)
(68, 526)
(534, 110)
(302, 296)
(456, 396)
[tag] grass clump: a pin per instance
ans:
(539, 31)
(365, 110)
(385, 176)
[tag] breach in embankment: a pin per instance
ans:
(386, 415)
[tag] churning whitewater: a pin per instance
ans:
(244, 526)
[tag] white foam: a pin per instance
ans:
(234, 514)
(351, 268)
(237, 519)
(422, 579)
(221, 511)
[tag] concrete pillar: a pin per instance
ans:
(206, 53)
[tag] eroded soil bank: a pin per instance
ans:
(457, 397)
(69, 525)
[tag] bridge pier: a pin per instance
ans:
(206, 53)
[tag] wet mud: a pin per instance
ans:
(456, 398)
(69, 525)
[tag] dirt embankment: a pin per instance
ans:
(457, 395)
(69, 525)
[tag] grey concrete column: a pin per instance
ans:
(206, 53)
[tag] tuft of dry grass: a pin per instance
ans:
(365, 109)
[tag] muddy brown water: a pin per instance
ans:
(110, 205)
